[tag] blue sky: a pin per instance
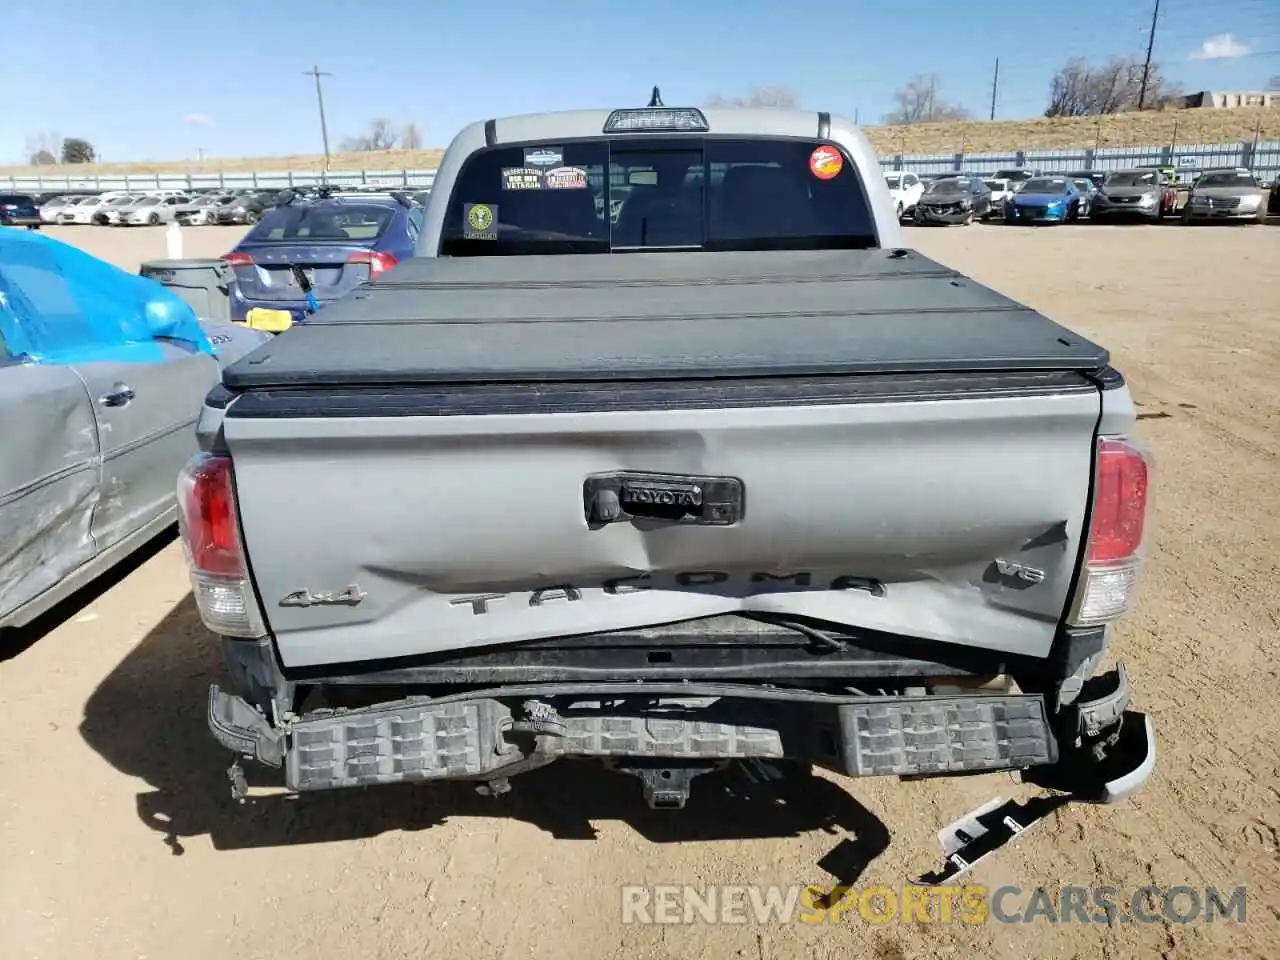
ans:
(144, 79)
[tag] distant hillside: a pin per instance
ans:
(974, 136)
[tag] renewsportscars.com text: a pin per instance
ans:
(969, 904)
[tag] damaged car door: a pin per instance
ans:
(49, 477)
(145, 411)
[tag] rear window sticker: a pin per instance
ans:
(521, 178)
(543, 156)
(566, 178)
(480, 221)
(825, 162)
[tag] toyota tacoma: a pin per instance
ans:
(664, 450)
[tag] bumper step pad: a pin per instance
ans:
(414, 740)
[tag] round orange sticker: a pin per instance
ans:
(826, 162)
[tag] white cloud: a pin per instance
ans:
(198, 118)
(1222, 47)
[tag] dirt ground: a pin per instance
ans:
(118, 839)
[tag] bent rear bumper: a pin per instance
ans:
(669, 728)
(482, 735)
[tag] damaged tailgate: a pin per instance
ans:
(877, 442)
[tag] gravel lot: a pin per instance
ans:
(118, 838)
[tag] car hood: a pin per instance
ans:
(1039, 199)
(941, 198)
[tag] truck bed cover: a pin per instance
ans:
(592, 317)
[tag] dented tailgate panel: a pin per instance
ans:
(956, 520)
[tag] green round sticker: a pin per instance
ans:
(480, 217)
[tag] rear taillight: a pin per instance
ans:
(210, 535)
(235, 259)
(379, 263)
(1118, 521)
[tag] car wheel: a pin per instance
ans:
(154, 219)
(251, 217)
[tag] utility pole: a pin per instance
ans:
(1146, 67)
(200, 154)
(995, 84)
(324, 129)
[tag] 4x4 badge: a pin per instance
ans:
(305, 598)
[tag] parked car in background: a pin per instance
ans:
(1016, 176)
(1001, 190)
(1273, 197)
(1232, 194)
(247, 207)
(82, 211)
(50, 209)
(1044, 200)
(151, 211)
(97, 416)
(1134, 193)
(201, 210)
(906, 189)
(332, 245)
(19, 210)
(112, 211)
(954, 200)
(1096, 177)
(1087, 190)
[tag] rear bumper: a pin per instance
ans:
(668, 731)
(17, 220)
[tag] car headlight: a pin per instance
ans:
(1147, 200)
(1249, 202)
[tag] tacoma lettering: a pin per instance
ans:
(618, 586)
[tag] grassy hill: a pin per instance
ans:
(972, 136)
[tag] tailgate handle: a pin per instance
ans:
(662, 497)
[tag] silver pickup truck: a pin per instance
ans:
(666, 452)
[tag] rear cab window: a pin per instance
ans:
(329, 221)
(620, 194)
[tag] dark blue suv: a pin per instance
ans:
(326, 246)
(19, 210)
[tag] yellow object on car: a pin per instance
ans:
(273, 321)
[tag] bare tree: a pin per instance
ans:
(382, 135)
(783, 97)
(919, 102)
(411, 137)
(1081, 89)
(43, 148)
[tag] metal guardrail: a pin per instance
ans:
(1262, 158)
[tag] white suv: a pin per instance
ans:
(906, 189)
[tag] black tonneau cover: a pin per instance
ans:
(676, 315)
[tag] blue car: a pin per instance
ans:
(306, 252)
(1045, 200)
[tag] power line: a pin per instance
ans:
(324, 129)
